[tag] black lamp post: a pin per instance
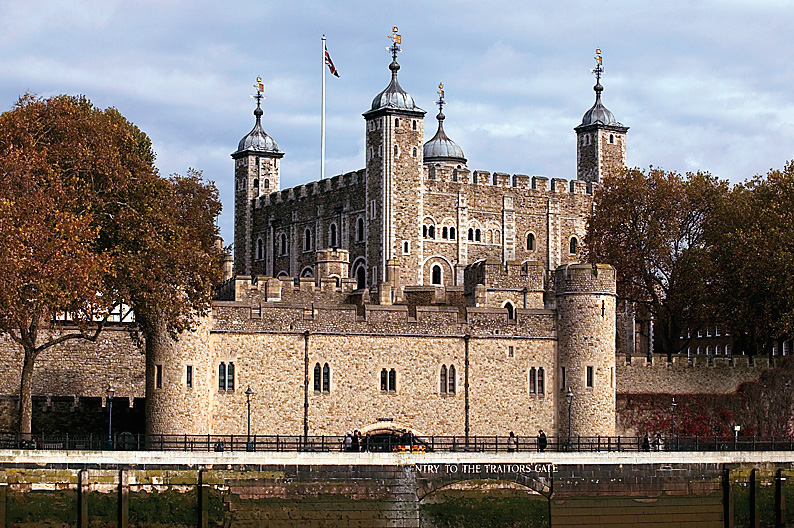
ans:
(569, 397)
(248, 393)
(110, 390)
(673, 405)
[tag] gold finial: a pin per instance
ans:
(397, 38)
(260, 88)
(598, 56)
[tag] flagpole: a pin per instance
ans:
(322, 121)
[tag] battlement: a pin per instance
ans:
(531, 184)
(585, 278)
(699, 362)
(314, 188)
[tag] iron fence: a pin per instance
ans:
(383, 443)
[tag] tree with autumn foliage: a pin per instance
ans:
(650, 226)
(88, 225)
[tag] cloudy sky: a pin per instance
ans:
(704, 85)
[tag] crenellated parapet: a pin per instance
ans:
(319, 188)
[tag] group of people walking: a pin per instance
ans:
(356, 442)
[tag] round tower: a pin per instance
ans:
(586, 349)
(179, 378)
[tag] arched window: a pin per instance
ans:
(384, 380)
(392, 380)
(396, 122)
(541, 381)
(497, 237)
(256, 183)
(267, 183)
(360, 230)
(477, 235)
(283, 248)
(451, 378)
(443, 379)
(260, 249)
(307, 240)
(454, 175)
(388, 380)
(424, 231)
(444, 232)
(436, 275)
(452, 233)
(533, 381)
(416, 153)
(317, 385)
(332, 236)
(222, 376)
(326, 378)
(230, 377)
(530, 242)
(413, 124)
(574, 245)
(431, 231)
(511, 313)
(612, 138)
(396, 151)
(471, 234)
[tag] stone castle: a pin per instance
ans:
(414, 293)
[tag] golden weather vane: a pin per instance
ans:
(599, 69)
(395, 47)
(440, 101)
(260, 89)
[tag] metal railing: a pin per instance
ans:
(295, 443)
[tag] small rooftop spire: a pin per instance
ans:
(598, 71)
(260, 89)
(440, 101)
(440, 148)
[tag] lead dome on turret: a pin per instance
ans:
(441, 148)
(598, 113)
(257, 139)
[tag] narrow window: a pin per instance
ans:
(332, 236)
(451, 375)
(443, 379)
(510, 352)
(533, 381)
(384, 380)
(436, 275)
(413, 124)
(431, 232)
(222, 376)
(396, 151)
(189, 377)
(612, 138)
(471, 234)
(230, 377)
(562, 378)
(416, 153)
(530, 242)
(317, 385)
(511, 314)
(392, 380)
(589, 379)
(283, 244)
(260, 249)
(444, 232)
(360, 230)
(158, 376)
(452, 233)
(326, 378)
(424, 231)
(406, 247)
(477, 235)
(708, 331)
(541, 381)
(267, 183)
(307, 240)
(396, 122)
(574, 244)
(256, 183)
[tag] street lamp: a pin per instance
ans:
(569, 397)
(736, 429)
(248, 393)
(110, 390)
(673, 405)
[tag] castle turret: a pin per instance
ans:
(585, 296)
(257, 162)
(394, 179)
(600, 138)
(441, 150)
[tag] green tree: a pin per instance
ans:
(650, 226)
(752, 241)
(87, 225)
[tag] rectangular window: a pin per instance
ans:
(717, 330)
(222, 376)
(708, 331)
(158, 376)
(509, 351)
(589, 380)
(406, 247)
(541, 381)
(189, 377)
(230, 377)
(562, 379)
(532, 380)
